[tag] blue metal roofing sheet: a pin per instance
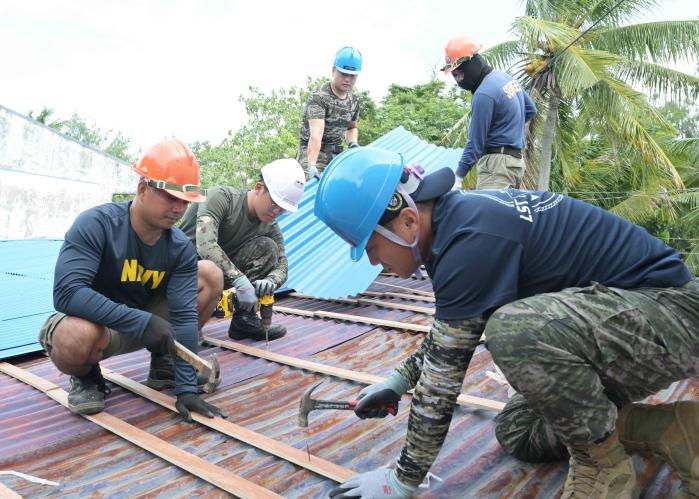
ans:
(26, 298)
(319, 262)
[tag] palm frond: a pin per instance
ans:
(505, 55)
(660, 79)
(662, 42)
(641, 207)
(613, 12)
(578, 69)
(546, 36)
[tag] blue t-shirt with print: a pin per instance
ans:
(496, 246)
(107, 275)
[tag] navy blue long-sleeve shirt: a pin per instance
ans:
(499, 109)
(107, 275)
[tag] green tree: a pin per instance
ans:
(426, 110)
(77, 128)
(581, 64)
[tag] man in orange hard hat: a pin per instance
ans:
(499, 110)
(126, 278)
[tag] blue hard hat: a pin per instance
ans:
(348, 60)
(355, 190)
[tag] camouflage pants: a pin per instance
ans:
(256, 258)
(578, 355)
(499, 171)
(324, 159)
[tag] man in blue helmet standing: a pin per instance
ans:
(583, 321)
(331, 115)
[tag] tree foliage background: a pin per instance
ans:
(597, 137)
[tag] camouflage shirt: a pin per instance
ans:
(339, 114)
(221, 225)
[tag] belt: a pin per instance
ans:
(510, 151)
(329, 148)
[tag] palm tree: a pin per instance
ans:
(585, 69)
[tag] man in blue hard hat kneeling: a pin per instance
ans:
(584, 312)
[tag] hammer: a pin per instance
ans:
(211, 370)
(308, 404)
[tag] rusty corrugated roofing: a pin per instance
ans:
(41, 438)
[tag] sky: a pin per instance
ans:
(159, 68)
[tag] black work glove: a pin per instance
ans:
(159, 337)
(189, 401)
(374, 401)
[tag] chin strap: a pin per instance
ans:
(399, 240)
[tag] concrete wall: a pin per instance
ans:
(46, 179)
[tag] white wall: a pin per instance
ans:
(46, 179)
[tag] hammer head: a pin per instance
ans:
(306, 405)
(214, 375)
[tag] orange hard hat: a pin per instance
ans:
(459, 50)
(171, 165)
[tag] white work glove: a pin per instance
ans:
(313, 172)
(374, 400)
(264, 287)
(353, 145)
(377, 484)
(245, 293)
(458, 184)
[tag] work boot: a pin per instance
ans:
(600, 471)
(249, 325)
(162, 373)
(86, 395)
(669, 430)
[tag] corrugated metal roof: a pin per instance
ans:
(26, 292)
(41, 438)
(319, 262)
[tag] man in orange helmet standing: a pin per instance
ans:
(499, 109)
(126, 279)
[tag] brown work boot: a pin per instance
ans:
(669, 430)
(249, 325)
(600, 471)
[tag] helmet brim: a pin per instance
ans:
(356, 252)
(284, 205)
(190, 197)
(348, 71)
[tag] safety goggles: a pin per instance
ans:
(453, 65)
(186, 188)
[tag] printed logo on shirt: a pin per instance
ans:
(133, 272)
(511, 88)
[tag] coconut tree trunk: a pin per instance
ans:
(547, 138)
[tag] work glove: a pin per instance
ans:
(159, 337)
(458, 184)
(187, 402)
(381, 483)
(245, 293)
(264, 287)
(374, 400)
(353, 144)
(313, 172)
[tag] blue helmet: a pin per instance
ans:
(348, 60)
(355, 190)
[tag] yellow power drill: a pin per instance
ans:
(226, 307)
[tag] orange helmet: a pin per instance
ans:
(459, 50)
(171, 165)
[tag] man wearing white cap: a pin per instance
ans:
(237, 230)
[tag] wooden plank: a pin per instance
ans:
(7, 493)
(284, 451)
(195, 465)
(402, 296)
(420, 328)
(359, 377)
(404, 289)
(366, 301)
